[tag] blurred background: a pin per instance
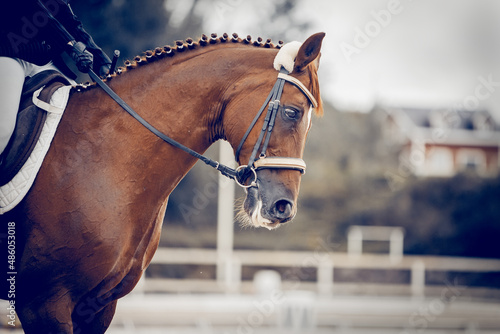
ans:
(398, 225)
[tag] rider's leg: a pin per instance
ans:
(12, 75)
(31, 69)
(11, 86)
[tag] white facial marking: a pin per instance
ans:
(309, 118)
(259, 221)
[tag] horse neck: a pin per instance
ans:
(182, 97)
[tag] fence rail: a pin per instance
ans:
(323, 262)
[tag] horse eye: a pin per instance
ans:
(291, 113)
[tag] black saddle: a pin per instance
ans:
(29, 123)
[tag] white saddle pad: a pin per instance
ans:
(13, 192)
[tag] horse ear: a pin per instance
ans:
(309, 51)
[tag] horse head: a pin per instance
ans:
(270, 148)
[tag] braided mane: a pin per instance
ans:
(181, 46)
(189, 44)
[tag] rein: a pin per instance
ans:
(243, 172)
(224, 170)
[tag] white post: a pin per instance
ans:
(354, 241)
(396, 245)
(232, 274)
(418, 279)
(325, 278)
(225, 219)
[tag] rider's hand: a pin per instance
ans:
(104, 70)
(82, 57)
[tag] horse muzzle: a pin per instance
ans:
(269, 205)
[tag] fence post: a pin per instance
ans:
(418, 278)
(225, 220)
(325, 278)
(354, 241)
(396, 245)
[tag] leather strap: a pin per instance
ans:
(300, 86)
(256, 118)
(224, 170)
(268, 125)
(44, 105)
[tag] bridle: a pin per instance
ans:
(262, 161)
(243, 172)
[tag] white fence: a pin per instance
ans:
(323, 262)
(230, 263)
(289, 304)
(322, 305)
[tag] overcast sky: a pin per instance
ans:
(423, 53)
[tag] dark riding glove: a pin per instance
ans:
(82, 57)
(104, 70)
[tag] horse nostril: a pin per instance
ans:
(283, 209)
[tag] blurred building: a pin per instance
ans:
(444, 142)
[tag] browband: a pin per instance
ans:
(300, 86)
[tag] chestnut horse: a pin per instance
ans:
(91, 223)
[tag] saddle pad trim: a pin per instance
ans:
(14, 191)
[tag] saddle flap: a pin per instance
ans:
(29, 123)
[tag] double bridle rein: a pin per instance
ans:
(255, 163)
